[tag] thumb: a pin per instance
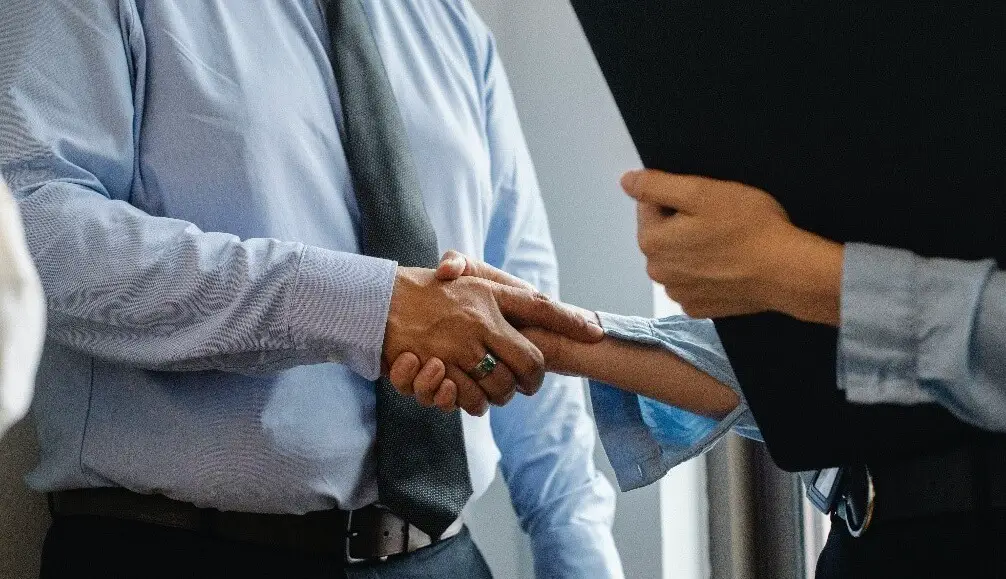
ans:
(455, 264)
(452, 266)
(668, 190)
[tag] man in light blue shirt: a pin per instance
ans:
(214, 331)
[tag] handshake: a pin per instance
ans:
(467, 335)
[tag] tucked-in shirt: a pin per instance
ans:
(645, 438)
(186, 196)
(917, 330)
(22, 316)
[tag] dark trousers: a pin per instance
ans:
(81, 547)
(946, 547)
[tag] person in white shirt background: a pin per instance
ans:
(23, 516)
(22, 316)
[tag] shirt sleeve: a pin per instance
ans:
(917, 330)
(546, 441)
(142, 290)
(645, 438)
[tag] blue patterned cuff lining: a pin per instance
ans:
(638, 454)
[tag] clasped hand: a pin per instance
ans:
(442, 323)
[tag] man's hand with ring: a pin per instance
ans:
(428, 382)
(446, 329)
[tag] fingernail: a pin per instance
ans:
(629, 180)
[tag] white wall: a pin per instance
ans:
(580, 147)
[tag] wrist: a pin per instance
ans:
(408, 282)
(804, 277)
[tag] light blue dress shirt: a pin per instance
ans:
(186, 197)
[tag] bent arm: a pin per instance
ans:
(138, 289)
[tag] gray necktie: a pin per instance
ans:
(422, 466)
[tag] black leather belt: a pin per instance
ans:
(968, 479)
(367, 534)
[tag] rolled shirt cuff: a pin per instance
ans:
(905, 320)
(645, 438)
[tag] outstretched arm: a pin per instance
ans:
(641, 369)
(651, 371)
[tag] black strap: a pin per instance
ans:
(965, 479)
(322, 532)
(361, 535)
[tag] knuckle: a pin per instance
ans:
(476, 405)
(534, 377)
(420, 386)
(537, 360)
(530, 363)
(505, 398)
(532, 389)
(433, 371)
(472, 407)
(540, 298)
(425, 387)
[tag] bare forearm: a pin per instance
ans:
(645, 370)
(807, 282)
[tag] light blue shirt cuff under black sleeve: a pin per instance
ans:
(917, 330)
(645, 438)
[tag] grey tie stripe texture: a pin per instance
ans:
(421, 461)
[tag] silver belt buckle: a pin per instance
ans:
(871, 497)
